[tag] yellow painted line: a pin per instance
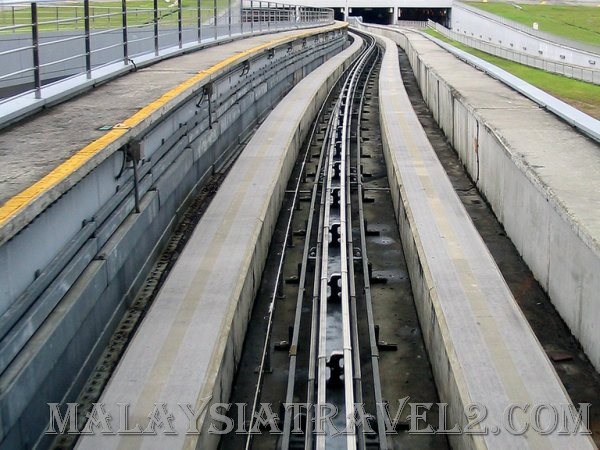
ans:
(19, 202)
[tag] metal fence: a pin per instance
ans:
(569, 70)
(418, 24)
(44, 42)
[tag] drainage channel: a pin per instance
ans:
(334, 322)
(577, 374)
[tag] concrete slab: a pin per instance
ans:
(549, 147)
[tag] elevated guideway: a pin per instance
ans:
(91, 190)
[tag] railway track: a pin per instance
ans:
(329, 349)
(317, 328)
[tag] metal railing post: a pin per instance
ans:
(179, 23)
(88, 48)
(36, 51)
(251, 16)
(229, 18)
(199, 15)
(124, 25)
(269, 16)
(155, 12)
(215, 17)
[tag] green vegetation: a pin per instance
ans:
(106, 14)
(581, 23)
(581, 95)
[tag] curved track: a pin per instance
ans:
(480, 347)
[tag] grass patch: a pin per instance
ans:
(580, 23)
(107, 14)
(579, 94)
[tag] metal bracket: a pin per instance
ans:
(335, 289)
(207, 92)
(383, 345)
(245, 67)
(135, 68)
(375, 279)
(134, 152)
(336, 369)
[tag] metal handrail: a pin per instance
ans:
(8, 75)
(168, 27)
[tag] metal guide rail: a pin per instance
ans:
(330, 370)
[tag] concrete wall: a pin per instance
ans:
(58, 330)
(562, 254)
(470, 23)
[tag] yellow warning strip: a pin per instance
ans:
(19, 202)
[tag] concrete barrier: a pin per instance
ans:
(590, 74)
(539, 175)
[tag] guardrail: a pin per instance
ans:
(43, 42)
(569, 70)
(419, 24)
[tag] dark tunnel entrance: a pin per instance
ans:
(439, 15)
(383, 16)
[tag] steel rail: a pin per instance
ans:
(340, 118)
(302, 281)
(355, 124)
(334, 266)
(312, 361)
(383, 443)
(280, 272)
(312, 371)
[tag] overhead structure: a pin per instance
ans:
(385, 12)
